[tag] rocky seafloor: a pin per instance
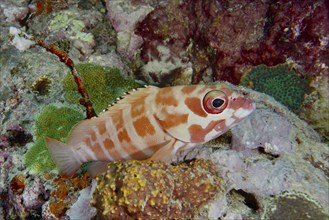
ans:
(273, 165)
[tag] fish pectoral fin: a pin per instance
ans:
(97, 167)
(167, 152)
(63, 155)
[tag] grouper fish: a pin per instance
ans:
(151, 123)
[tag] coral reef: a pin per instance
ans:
(103, 84)
(167, 43)
(155, 190)
(48, 124)
(279, 82)
(200, 33)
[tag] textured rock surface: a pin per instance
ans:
(155, 190)
(289, 158)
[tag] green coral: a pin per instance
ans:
(279, 82)
(103, 84)
(155, 189)
(293, 205)
(54, 122)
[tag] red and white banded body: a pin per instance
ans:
(151, 123)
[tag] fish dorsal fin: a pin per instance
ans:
(128, 99)
(83, 128)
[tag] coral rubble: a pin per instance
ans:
(155, 190)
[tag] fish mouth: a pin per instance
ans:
(247, 108)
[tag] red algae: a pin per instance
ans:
(228, 38)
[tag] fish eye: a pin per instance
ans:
(215, 102)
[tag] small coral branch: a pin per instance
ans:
(64, 58)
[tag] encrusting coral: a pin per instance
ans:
(154, 189)
(279, 82)
(103, 84)
(48, 124)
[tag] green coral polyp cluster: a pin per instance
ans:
(279, 82)
(103, 85)
(154, 189)
(54, 122)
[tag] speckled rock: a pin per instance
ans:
(155, 190)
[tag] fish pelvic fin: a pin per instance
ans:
(63, 155)
(97, 167)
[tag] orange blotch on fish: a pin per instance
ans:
(117, 120)
(166, 97)
(108, 143)
(174, 120)
(143, 127)
(137, 110)
(188, 89)
(123, 136)
(198, 133)
(93, 137)
(97, 149)
(102, 128)
(194, 104)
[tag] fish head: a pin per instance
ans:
(203, 112)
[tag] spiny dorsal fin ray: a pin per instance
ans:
(128, 99)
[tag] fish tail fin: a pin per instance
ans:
(63, 155)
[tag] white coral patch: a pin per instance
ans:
(21, 43)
